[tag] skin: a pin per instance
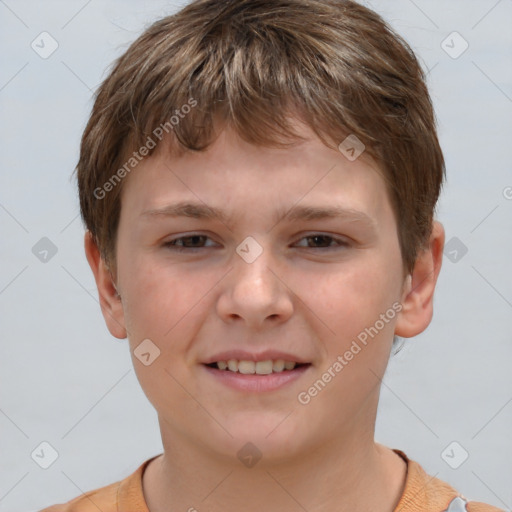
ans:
(297, 296)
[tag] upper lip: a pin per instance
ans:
(243, 355)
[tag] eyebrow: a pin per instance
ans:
(304, 212)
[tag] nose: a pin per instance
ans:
(254, 293)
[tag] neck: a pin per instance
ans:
(336, 476)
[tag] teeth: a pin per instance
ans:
(263, 367)
(246, 367)
(259, 368)
(278, 366)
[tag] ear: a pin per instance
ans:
(418, 294)
(110, 301)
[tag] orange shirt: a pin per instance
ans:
(422, 493)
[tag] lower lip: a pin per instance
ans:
(258, 383)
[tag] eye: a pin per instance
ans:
(184, 243)
(324, 241)
(196, 241)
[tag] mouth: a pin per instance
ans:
(255, 376)
(246, 367)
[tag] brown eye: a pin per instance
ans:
(321, 241)
(184, 243)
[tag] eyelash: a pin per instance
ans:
(171, 243)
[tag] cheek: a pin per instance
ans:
(160, 307)
(165, 303)
(351, 304)
(353, 298)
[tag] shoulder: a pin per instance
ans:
(460, 504)
(103, 498)
(427, 493)
(474, 506)
(123, 495)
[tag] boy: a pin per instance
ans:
(224, 138)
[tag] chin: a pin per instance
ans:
(273, 437)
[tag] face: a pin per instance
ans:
(271, 279)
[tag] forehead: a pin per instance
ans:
(235, 178)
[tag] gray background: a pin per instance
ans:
(66, 381)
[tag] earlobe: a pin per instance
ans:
(110, 300)
(418, 294)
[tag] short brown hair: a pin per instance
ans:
(335, 64)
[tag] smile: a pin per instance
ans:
(255, 367)
(256, 376)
